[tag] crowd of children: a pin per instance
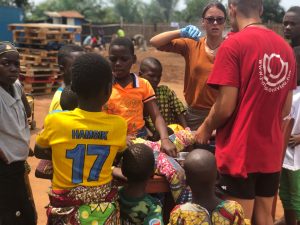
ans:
(105, 117)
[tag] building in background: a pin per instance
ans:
(9, 15)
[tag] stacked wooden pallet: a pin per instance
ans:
(38, 45)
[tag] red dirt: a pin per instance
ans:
(173, 71)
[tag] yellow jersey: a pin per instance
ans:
(55, 103)
(84, 145)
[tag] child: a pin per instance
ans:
(15, 205)
(136, 206)
(68, 101)
(82, 145)
(205, 208)
(131, 95)
(66, 56)
(289, 189)
(170, 107)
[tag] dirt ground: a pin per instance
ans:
(173, 71)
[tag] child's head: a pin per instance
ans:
(138, 163)
(297, 54)
(68, 99)
(92, 78)
(151, 70)
(121, 57)
(9, 64)
(200, 170)
(65, 57)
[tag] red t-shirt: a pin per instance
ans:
(261, 65)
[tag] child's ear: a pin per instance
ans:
(140, 73)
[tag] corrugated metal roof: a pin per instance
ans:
(68, 14)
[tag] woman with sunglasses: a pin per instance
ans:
(199, 54)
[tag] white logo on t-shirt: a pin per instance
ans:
(274, 72)
(224, 187)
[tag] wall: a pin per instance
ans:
(9, 15)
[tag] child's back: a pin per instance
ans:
(136, 206)
(205, 207)
(83, 144)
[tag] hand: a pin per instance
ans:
(203, 134)
(294, 140)
(191, 32)
(168, 147)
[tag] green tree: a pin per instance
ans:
(273, 12)
(167, 7)
(193, 10)
(153, 13)
(130, 10)
(93, 10)
(18, 3)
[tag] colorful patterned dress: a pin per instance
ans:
(226, 213)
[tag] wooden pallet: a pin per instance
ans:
(39, 71)
(40, 79)
(53, 35)
(40, 88)
(45, 28)
(48, 47)
(37, 59)
(37, 52)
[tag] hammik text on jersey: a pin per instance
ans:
(89, 134)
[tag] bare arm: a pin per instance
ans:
(219, 113)
(288, 105)
(42, 153)
(26, 105)
(164, 38)
(167, 146)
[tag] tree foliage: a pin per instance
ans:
(92, 9)
(129, 10)
(18, 3)
(193, 10)
(273, 12)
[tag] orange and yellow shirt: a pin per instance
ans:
(128, 102)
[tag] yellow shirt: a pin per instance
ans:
(129, 102)
(84, 145)
(55, 103)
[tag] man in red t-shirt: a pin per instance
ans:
(255, 72)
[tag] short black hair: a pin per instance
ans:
(294, 9)
(247, 7)
(123, 41)
(138, 163)
(65, 51)
(151, 60)
(68, 99)
(217, 4)
(91, 74)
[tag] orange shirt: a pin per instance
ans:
(129, 102)
(198, 65)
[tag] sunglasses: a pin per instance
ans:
(219, 20)
(114, 59)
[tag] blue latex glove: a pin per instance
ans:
(190, 31)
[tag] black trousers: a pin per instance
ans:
(15, 206)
